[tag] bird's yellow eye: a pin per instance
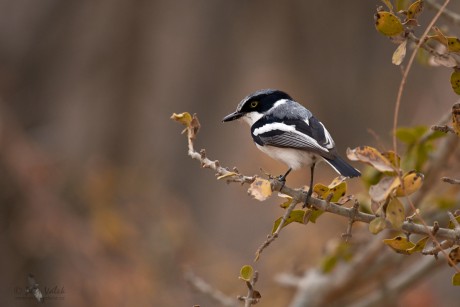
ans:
(254, 104)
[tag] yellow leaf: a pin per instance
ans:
(384, 188)
(395, 213)
(260, 189)
(183, 118)
(453, 44)
(456, 117)
(456, 279)
(371, 156)
(400, 53)
(229, 174)
(295, 216)
(414, 9)
(377, 225)
(338, 189)
(393, 158)
(455, 81)
(246, 272)
(419, 246)
(388, 24)
(312, 214)
(399, 244)
(412, 183)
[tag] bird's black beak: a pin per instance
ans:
(232, 116)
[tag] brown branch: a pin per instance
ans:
(272, 237)
(300, 196)
(253, 296)
(406, 72)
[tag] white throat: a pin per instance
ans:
(252, 117)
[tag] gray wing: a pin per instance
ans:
(308, 135)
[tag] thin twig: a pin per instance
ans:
(202, 286)
(406, 72)
(272, 237)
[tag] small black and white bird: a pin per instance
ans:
(288, 132)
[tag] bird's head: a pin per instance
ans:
(256, 105)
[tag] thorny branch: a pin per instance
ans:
(300, 197)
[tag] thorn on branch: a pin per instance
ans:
(435, 229)
(351, 220)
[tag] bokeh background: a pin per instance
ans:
(97, 193)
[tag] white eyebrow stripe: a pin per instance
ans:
(288, 128)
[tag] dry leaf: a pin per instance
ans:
(382, 190)
(399, 54)
(371, 156)
(260, 189)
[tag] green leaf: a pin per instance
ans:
(410, 135)
(313, 214)
(295, 216)
(246, 272)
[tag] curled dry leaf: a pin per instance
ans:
(191, 123)
(371, 156)
(260, 189)
(382, 190)
(227, 175)
(184, 118)
(399, 54)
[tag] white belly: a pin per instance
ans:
(294, 158)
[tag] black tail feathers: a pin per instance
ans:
(342, 167)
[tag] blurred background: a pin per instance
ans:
(98, 196)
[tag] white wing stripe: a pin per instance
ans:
(290, 128)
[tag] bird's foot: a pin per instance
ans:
(282, 178)
(307, 199)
